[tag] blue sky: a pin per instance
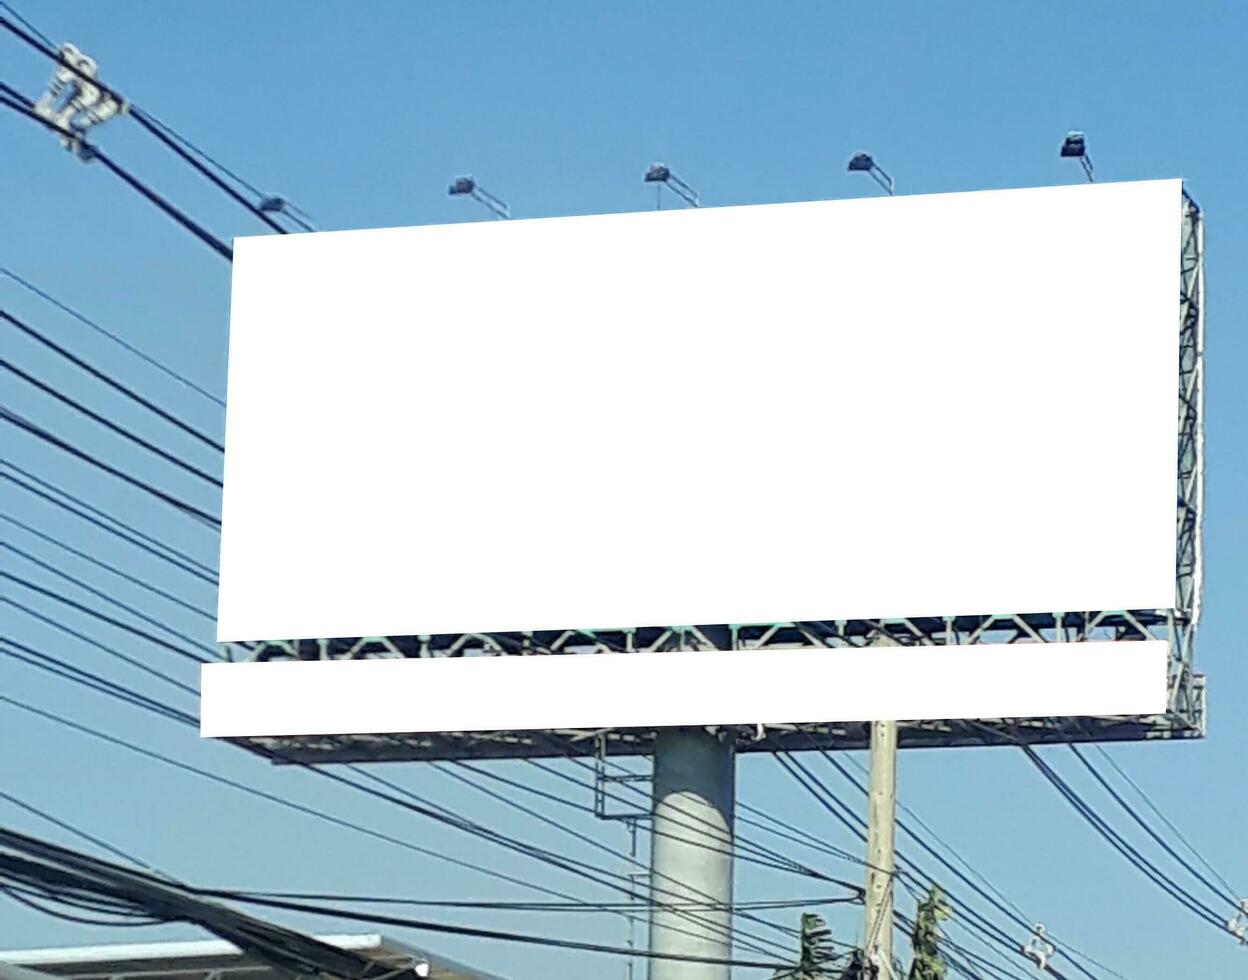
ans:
(362, 114)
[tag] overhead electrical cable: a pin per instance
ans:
(1230, 892)
(1006, 906)
(123, 743)
(126, 658)
(52, 439)
(710, 828)
(1124, 847)
(1223, 893)
(13, 99)
(51, 866)
(125, 532)
(378, 919)
(857, 826)
(103, 617)
(319, 814)
(111, 569)
(115, 338)
(337, 897)
(109, 380)
(583, 869)
(109, 424)
(95, 682)
(175, 141)
(76, 831)
(101, 594)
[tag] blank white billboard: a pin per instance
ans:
(652, 690)
(949, 404)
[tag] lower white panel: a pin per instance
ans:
(643, 690)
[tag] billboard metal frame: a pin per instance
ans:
(1185, 717)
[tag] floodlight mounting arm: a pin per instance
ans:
(1075, 146)
(661, 173)
(683, 191)
(468, 187)
(496, 205)
(882, 178)
(865, 163)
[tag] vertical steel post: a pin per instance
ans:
(691, 853)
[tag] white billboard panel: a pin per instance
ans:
(910, 406)
(644, 690)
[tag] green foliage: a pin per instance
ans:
(818, 955)
(928, 963)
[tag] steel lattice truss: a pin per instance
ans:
(1185, 717)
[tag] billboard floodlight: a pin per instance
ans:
(466, 186)
(660, 173)
(1075, 146)
(279, 205)
(865, 163)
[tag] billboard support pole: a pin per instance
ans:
(691, 852)
(881, 831)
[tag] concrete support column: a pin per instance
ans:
(691, 856)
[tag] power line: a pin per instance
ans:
(1022, 916)
(103, 617)
(50, 438)
(1226, 892)
(788, 865)
(745, 843)
(109, 424)
(857, 826)
(15, 100)
(573, 866)
(113, 569)
(92, 681)
(155, 128)
(165, 133)
(584, 838)
(494, 933)
(789, 903)
(57, 822)
(460, 823)
(568, 864)
(27, 24)
(59, 868)
(113, 383)
(741, 848)
(103, 647)
(125, 532)
(115, 338)
(16, 894)
(1123, 847)
(273, 798)
(1001, 902)
(100, 594)
(123, 743)
(185, 766)
(70, 877)
(628, 858)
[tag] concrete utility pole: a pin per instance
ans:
(691, 853)
(881, 830)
